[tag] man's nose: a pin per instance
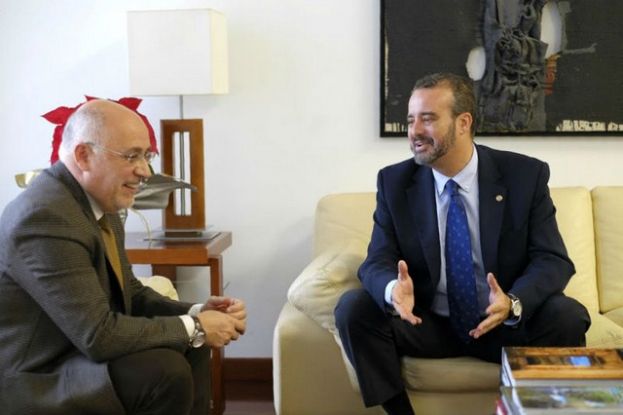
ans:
(143, 168)
(415, 128)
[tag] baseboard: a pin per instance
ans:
(260, 369)
(248, 378)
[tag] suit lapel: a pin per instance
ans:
(60, 172)
(423, 208)
(492, 200)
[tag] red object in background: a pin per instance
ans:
(60, 115)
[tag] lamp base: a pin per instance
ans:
(184, 233)
(201, 237)
(177, 136)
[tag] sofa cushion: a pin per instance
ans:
(575, 222)
(608, 213)
(616, 316)
(161, 285)
(341, 217)
(454, 374)
(316, 291)
(603, 332)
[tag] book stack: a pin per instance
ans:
(551, 380)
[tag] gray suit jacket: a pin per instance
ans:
(63, 315)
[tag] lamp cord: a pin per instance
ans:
(145, 222)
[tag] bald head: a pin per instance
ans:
(96, 121)
(99, 143)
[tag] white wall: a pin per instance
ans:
(301, 121)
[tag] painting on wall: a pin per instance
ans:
(524, 87)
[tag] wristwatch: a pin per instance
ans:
(198, 338)
(514, 316)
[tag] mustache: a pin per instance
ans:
(422, 138)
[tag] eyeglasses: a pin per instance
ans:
(132, 157)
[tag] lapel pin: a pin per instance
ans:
(499, 198)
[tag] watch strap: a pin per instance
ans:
(514, 319)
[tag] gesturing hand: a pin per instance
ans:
(403, 298)
(498, 310)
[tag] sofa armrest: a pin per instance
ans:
(316, 291)
(309, 377)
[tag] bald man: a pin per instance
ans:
(78, 332)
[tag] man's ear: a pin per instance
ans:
(82, 156)
(464, 123)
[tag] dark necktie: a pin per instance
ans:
(111, 248)
(462, 295)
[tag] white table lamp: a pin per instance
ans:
(179, 52)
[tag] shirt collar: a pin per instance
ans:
(97, 210)
(465, 178)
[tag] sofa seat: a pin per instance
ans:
(456, 374)
(311, 373)
(616, 316)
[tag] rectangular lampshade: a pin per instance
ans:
(177, 52)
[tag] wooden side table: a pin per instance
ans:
(164, 257)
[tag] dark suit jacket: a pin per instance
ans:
(519, 236)
(63, 315)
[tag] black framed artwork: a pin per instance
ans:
(578, 90)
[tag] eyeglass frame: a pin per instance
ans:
(131, 156)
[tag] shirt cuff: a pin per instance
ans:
(188, 321)
(388, 292)
(194, 310)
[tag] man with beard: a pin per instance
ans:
(465, 255)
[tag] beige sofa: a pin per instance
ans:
(312, 376)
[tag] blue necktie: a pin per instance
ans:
(461, 284)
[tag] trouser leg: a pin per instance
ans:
(375, 342)
(162, 382)
(199, 360)
(368, 342)
(560, 321)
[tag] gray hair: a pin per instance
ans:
(85, 124)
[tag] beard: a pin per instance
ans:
(439, 147)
